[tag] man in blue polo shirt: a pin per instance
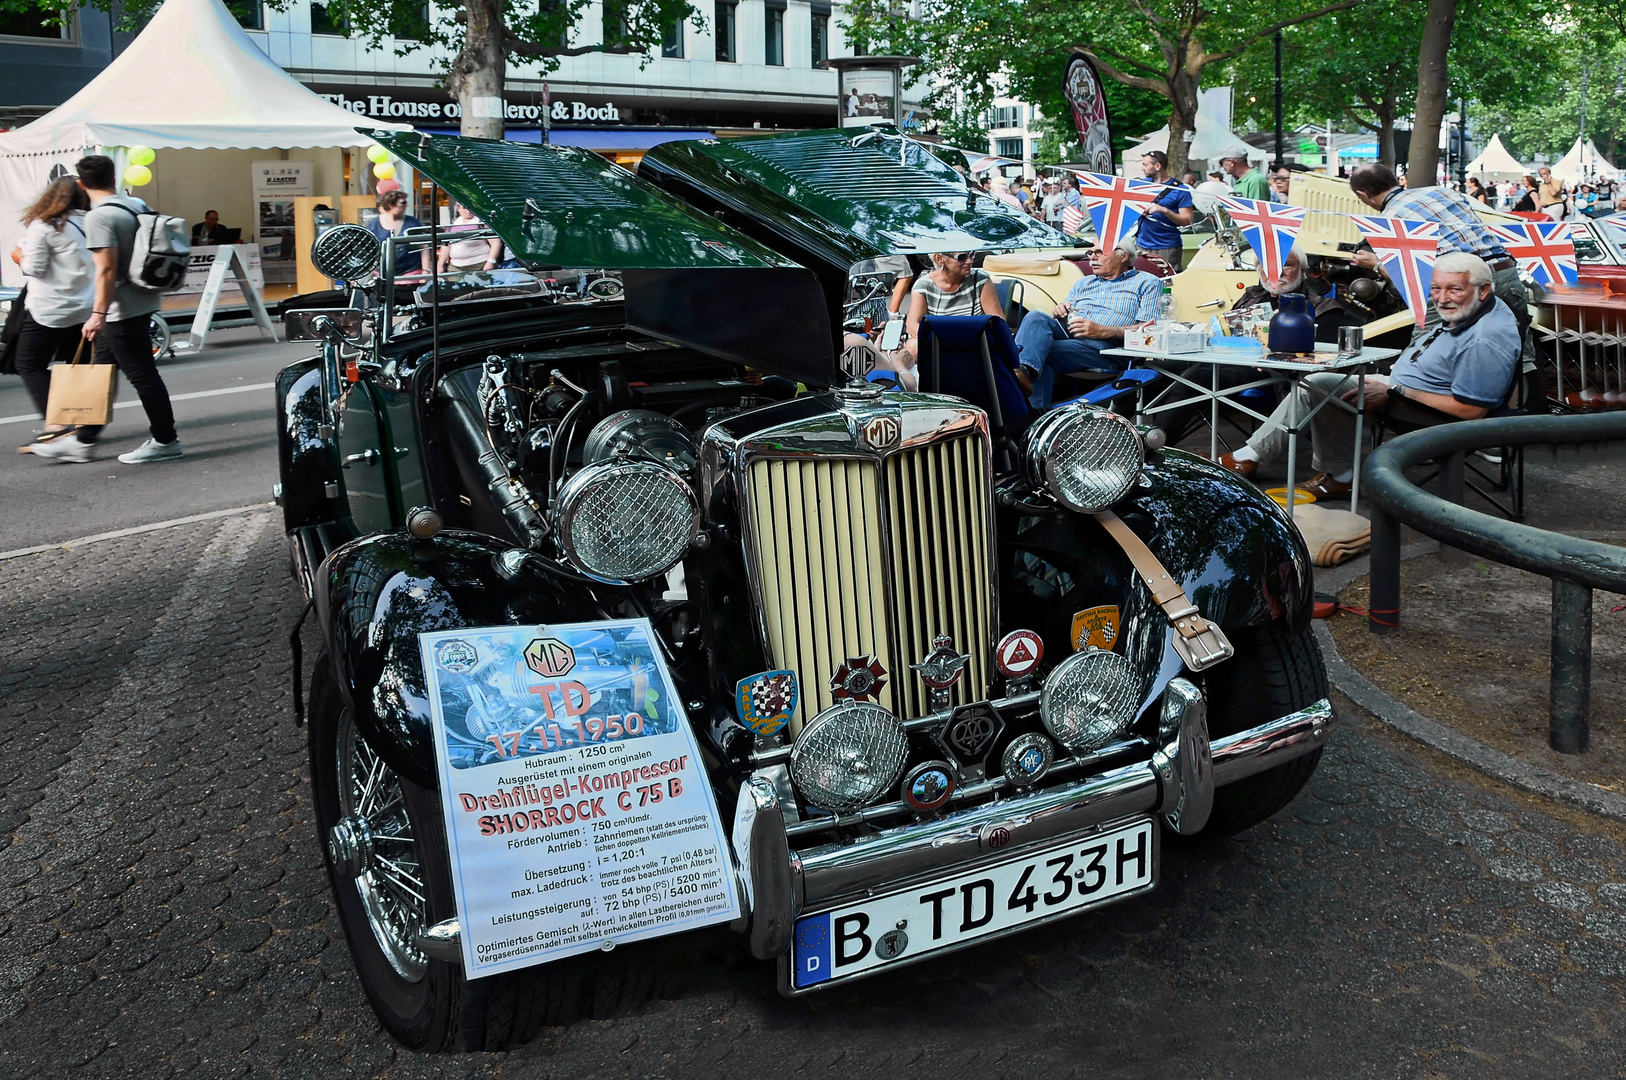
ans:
(1172, 207)
(1099, 308)
(1461, 370)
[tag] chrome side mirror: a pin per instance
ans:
(347, 253)
(323, 324)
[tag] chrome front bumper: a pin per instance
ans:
(1177, 783)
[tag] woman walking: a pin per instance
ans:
(61, 291)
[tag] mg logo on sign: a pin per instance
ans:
(550, 657)
(882, 432)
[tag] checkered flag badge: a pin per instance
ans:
(770, 697)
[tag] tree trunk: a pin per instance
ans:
(1182, 119)
(1431, 89)
(477, 75)
(1386, 131)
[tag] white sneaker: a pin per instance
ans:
(152, 450)
(64, 450)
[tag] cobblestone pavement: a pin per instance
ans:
(163, 911)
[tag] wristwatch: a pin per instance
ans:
(1396, 390)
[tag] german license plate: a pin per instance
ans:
(995, 899)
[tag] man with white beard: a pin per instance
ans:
(1329, 313)
(1461, 370)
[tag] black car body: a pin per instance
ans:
(431, 453)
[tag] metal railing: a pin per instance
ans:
(1575, 566)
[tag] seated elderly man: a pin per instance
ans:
(1460, 370)
(1329, 313)
(1098, 309)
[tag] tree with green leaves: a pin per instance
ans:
(1374, 86)
(1162, 47)
(484, 36)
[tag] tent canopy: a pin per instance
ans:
(1496, 163)
(192, 79)
(1584, 164)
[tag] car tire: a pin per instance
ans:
(418, 1000)
(430, 1006)
(1272, 674)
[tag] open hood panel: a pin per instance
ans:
(561, 206)
(847, 196)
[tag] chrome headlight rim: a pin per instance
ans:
(842, 721)
(1064, 677)
(1040, 457)
(572, 499)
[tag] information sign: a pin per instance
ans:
(578, 813)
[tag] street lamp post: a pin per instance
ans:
(1280, 159)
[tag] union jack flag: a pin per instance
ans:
(1546, 250)
(1072, 220)
(1115, 204)
(1269, 228)
(1406, 249)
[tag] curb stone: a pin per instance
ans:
(1408, 721)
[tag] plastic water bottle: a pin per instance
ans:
(1165, 304)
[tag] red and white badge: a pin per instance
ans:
(1018, 653)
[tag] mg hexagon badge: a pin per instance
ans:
(766, 701)
(882, 432)
(549, 657)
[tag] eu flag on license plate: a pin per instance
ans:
(811, 957)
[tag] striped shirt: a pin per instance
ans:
(1131, 297)
(1460, 228)
(966, 300)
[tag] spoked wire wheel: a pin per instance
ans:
(375, 844)
(385, 849)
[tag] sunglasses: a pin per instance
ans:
(957, 256)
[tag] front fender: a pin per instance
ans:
(306, 457)
(1228, 544)
(375, 596)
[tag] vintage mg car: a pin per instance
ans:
(1027, 647)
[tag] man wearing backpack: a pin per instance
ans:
(121, 317)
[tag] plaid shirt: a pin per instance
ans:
(1460, 227)
(1129, 298)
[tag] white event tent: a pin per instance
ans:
(1584, 165)
(192, 80)
(1496, 163)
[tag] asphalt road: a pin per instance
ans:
(228, 434)
(164, 913)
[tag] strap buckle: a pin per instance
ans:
(1199, 642)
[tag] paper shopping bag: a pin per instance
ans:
(81, 393)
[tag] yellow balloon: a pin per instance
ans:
(137, 175)
(377, 154)
(141, 155)
(384, 170)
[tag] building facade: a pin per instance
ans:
(750, 65)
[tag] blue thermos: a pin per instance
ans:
(1292, 328)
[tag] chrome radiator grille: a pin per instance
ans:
(855, 558)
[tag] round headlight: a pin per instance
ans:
(627, 520)
(1085, 457)
(1089, 699)
(848, 756)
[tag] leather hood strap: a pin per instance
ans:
(1200, 643)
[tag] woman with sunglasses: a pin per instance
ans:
(952, 287)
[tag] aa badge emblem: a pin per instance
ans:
(1096, 627)
(766, 701)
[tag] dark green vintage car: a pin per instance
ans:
(952, 669)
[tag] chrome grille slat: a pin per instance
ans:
(857, 557)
